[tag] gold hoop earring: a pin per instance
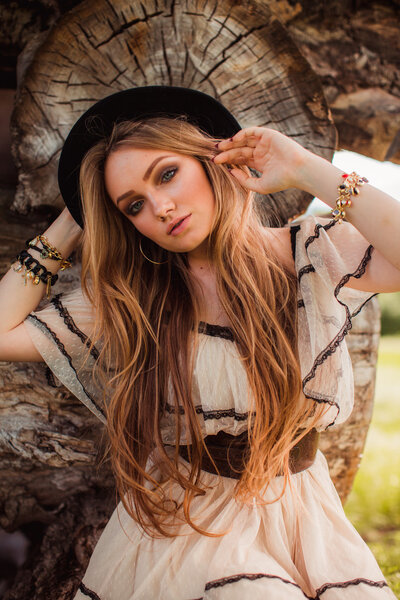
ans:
(149, 259)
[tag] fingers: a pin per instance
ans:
(241, 147)
(237, 156)
(245, 137)
(251, 183)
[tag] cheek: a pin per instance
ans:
(143, 227)
(211, 203)
(204, 191)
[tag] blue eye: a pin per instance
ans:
(168, 175)
(134, 208)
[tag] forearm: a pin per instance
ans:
(17, 300)
(375, 214)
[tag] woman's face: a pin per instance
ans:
(166, 196)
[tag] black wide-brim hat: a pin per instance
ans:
(134, 104)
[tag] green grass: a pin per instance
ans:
(390, 313)
(374, 504)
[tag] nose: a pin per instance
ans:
(162, 205)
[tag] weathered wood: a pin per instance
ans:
(343, 446)
(221, 49)
(355, 49)
(49, 443)
(55, 570)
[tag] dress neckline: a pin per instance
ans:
(221, 331)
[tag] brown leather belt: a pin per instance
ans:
(229, 453)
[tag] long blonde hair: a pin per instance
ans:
(148, 349)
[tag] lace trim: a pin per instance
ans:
(87, 592)
(42, 325)
(306, 269)
(68, 320)
(216, 331)
(345, 584)
(317, 230)
(357, 274)
(359, 309)
(337, 340)
(211, 414)
(217, 583)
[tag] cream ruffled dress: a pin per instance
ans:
(301, 546)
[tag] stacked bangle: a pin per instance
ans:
(48, 251)
(347, 189)
(33, 270)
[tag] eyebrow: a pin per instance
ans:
(145, 178)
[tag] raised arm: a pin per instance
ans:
(285, 164)
(17, 300)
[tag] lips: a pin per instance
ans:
(175, 223)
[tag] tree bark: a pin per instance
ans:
(50, 444)
(353, 46)
(355, 49)
(221, 49)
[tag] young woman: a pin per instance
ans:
(212, 346)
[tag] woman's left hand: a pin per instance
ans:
(278, 158)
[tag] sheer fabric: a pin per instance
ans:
(301, 546)
(327, 256)
(297, 548)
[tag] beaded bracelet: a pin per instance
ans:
(48, 251)
(346, 189)
(36, 273)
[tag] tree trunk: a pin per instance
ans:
(49, 442)
(354, 47)
(99, 48)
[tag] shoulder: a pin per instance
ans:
(279, 240)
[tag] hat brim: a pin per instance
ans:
(200, 109)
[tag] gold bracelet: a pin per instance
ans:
(49, 251)
(347, 189)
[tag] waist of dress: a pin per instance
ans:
(229, 453)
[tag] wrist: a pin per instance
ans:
(320, 178)
(64, 233)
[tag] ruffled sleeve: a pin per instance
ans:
(61, 333)
(328, 255)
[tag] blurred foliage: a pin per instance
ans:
(390, 310)
(374, 503)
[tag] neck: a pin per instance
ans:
(199, 259)
(202, 264)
